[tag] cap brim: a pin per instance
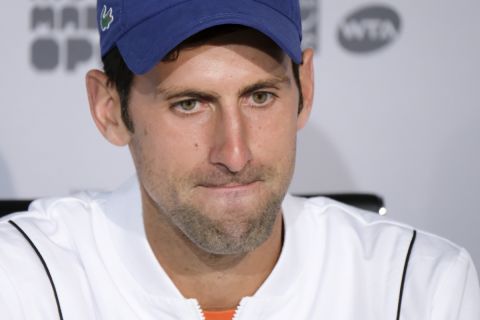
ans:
(144, 45)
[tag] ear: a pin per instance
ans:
(306, 74)
(105, 108)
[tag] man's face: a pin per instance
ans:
(214, 140)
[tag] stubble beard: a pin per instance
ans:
(227, 237)
(235, 233)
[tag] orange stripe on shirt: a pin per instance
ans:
(219, 315)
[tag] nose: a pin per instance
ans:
(231, 148)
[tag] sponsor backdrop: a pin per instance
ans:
(396, 109)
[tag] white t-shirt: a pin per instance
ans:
(337, 262)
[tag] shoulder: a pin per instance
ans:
(41, 249)
(367, 227)
(379, 254)
(52, 226)
(376, 240)
(62, 226)
(47, 216)
(24, 238)
(439, 273)
(47, 223)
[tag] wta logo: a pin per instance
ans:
(369, 29)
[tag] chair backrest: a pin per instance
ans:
(366, 201)
(9, 206)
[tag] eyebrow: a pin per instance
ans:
(174, 93)
(263, 84)
(189, 93)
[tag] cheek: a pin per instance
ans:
(275, 133)
(163, 151)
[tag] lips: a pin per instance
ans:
(229, 186)
(219, 179)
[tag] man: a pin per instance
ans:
(208, 95)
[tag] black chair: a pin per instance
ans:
(364, 201)
(9, 206)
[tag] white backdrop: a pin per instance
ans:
(400, 120)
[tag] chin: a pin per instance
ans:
(231, 228)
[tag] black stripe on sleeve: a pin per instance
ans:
(44, 266)
(407, 259)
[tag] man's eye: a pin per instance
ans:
(187, 106)
(261, 98)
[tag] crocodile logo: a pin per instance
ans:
(106, 18)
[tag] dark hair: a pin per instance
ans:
(121, 76)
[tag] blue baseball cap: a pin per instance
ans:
(146, 30)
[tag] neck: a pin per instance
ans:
(218, 282)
